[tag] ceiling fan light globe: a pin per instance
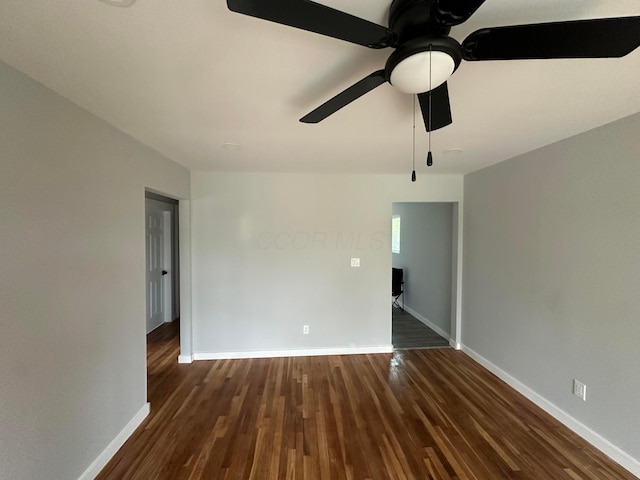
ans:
(411, 75)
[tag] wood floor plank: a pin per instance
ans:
(414, 415)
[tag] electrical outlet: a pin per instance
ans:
(355, 262)
(579, 389)
(305, 329)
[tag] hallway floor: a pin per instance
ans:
(410, 333)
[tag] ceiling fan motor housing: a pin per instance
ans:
(411, 19)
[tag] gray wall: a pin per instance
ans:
(426, 231)
(552, 270)
(72, 281)
(271, 252)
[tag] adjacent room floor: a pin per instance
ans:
(414, 414)
(410, 333)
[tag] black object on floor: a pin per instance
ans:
(397, 287)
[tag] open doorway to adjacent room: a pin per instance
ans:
(424, 270)
(162, 276)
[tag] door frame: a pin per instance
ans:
(455, 338)
(181, 240)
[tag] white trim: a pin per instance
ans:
(293, 353)
(185, 358)
(167, 283)
(456, 332)
(106, 455)
(455, 344)
(595, 439)
(428, 323)
(184, 247)
(155, 328)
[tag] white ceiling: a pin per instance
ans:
(185, 77)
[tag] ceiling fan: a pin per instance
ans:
(425, 56)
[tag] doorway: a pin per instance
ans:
(425, 246)
(162, 269)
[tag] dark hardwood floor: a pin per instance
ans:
(414, 415)
(407, 332)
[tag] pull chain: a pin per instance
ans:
(429, 154)
(413, 173)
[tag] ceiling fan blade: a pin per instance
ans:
(314, 17)
(440, 108)
(345, 97)
(454, 12)
(599, 38)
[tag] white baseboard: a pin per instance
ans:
(311, 352)
(428, 323)
(595, 439)
(455, 344)
(185, 358)
(106, 455)
(154, 328)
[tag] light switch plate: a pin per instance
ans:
(580, 390)
(355, 262)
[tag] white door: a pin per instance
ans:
(158, 302)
